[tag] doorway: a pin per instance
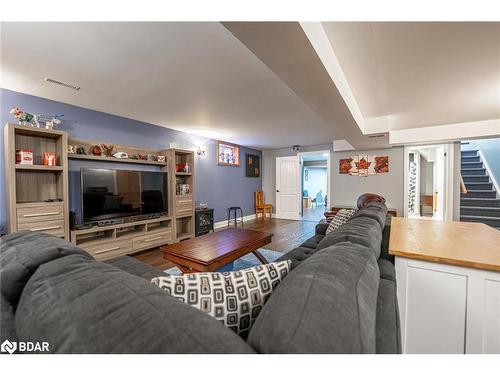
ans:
(426, 175)
(315, 184)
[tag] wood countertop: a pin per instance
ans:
(472, 245)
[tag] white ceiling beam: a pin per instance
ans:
(446, 133)
(321, 44)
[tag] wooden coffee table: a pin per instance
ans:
(214, 250)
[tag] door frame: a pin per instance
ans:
(328, 175)
(449, 177)
(297, 159)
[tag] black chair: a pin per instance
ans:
(236, 221)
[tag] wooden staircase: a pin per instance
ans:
(481, 203)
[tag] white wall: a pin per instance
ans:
(346, 189)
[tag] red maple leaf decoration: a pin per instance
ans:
(363, 163)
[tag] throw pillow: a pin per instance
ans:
(233, 298)
(340, 218)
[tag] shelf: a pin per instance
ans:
(46, 168)
(115, 160)
(37, 132)
(39, 204)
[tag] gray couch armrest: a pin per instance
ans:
(321, 227)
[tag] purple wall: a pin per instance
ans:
(219, 186)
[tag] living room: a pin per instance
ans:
(250, 187)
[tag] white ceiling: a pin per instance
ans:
(185, 76)
(262, 84)
(421, 73)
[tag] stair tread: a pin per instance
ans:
(486, 208)
(481, 199)
(482, 191)
(485, 218)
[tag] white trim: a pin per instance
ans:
(446, 133)
(448, 183)
(223, 223)
(488, 170)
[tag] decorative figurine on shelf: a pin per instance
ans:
(151, 157)
(96, 150)
(121, 155)
(80, 150)
(72, 149)
(143, 157)
(54, 121)
(133, 157)
(24, 118)
(161, 158)
(108, 149)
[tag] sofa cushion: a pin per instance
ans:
(388, 328)
(297, 255)
(22, 253)
(7, 326)
(321, 227)
(80, 305)
(359, 230)
(387, 270)
(136, 267)
(374, 210)
(326, 305)
(313, 241)
(233, 298)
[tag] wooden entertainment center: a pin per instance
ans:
(37, 195)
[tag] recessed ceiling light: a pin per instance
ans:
(56, 82)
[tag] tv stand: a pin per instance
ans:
(106, 242)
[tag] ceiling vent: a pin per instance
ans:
(377, 135)
(55, 82)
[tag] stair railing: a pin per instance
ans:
(463, 188)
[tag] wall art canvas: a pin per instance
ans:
(364, 165)
(252, 165)
(228, 154)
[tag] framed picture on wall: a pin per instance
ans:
(252, 165)
(228, 154)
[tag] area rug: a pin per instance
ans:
(246, 261)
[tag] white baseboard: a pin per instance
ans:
(223, 223)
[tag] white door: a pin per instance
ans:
(288, 188)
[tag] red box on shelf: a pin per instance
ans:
(24, 157)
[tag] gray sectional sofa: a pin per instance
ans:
(339, 298)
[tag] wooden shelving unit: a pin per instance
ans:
(183, 205)
(121, 239)
(37, 195)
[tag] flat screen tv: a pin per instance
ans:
(110, 194)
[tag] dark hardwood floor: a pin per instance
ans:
(287, 234)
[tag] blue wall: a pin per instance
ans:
(490, 149)
(221, 187)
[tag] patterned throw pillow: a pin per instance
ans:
(340, 218)
(233, 298)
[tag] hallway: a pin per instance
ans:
(314, 214)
